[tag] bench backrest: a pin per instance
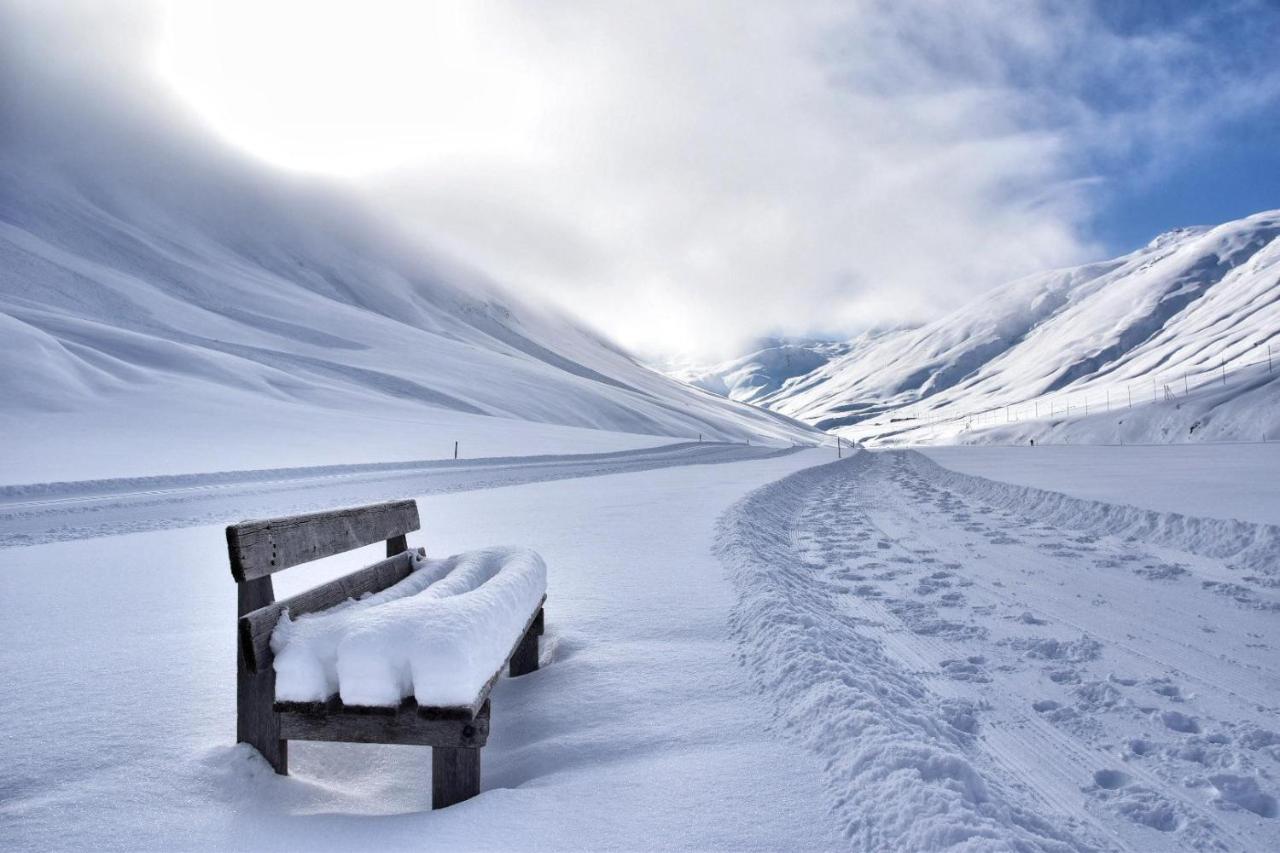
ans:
(260, 548)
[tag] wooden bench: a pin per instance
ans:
(257, 550)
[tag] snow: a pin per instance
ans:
(438, 635)
(780, 651)
(638, 730)
(169, 307)
(1225, 481)
(771, 364)
(44, 512)
(1142, 339)
(981, 666)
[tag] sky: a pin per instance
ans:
(689, 176)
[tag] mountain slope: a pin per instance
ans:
(158, 294)
(1195, 306)
(771, 364)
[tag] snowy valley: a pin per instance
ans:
(780, 602)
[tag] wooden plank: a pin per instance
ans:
(257, 723)
(396, 544)
(260, 548)
(255, 627)
(455, 776)
(334, 706)
(524, 659)
(402, 726)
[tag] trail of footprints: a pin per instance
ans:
(930, 600)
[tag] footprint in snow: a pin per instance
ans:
(1180, 722)
(1243, 792)
(1110, 779)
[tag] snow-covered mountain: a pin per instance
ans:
(1167, 343)
(771, 364)
(162, 297)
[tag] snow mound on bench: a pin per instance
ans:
(438, 635)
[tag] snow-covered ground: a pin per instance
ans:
(43, 512)
(639, 732)
(1230, 481)
(781, 651)
(977, 664)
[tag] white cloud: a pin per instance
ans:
(687, 175)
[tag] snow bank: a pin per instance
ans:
(438, 635)
(1242, 544)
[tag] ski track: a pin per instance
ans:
(979, 676)
(49, 512)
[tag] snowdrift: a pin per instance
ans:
(438, 635)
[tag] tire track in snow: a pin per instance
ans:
(887, 586)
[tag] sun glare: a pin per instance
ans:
(351, 89)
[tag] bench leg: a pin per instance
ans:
(525, 659)
(257, 722)
(455, 775)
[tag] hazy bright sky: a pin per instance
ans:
(685, 175)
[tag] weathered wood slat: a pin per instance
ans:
(260, 548)
(400, 727)
(396, 544)
(257, 724)
(455, 776)
(255, 627)
(524, 659)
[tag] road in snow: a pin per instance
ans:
(973, 661)
(47, 512)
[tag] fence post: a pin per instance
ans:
(1268, 359)
(1129, 388)
(455, 450)
(1224, 370)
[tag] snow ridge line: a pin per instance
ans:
(896, 755)
(1243, 545)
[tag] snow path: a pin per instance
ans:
(50, 512)
(972, 675)
(639, 732)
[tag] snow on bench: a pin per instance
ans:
(404, 651)
(438, 635)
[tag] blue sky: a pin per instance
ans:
(1208, 174)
